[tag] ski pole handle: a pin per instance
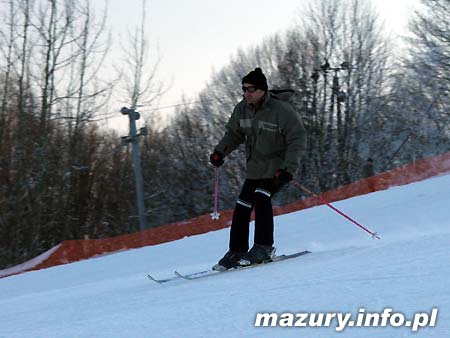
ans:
(301, 187)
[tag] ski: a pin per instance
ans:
(160, 281)
(169, 279)
(207, 273)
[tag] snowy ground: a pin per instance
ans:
(110, 297)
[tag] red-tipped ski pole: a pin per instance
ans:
(215, 214)
(301, 187)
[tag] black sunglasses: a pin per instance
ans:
(250, 89)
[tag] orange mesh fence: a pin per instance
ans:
(75, 250)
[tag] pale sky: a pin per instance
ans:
(198, 36)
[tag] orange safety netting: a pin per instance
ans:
(75, 250)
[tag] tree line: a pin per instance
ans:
(63, 176)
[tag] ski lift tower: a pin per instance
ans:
(133, 139)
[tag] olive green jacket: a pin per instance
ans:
(274, 136)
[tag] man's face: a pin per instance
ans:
(251, 94)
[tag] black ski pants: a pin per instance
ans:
(255, 194)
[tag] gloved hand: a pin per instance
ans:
(216, 159)
(281, 178)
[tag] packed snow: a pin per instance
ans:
(111, 297)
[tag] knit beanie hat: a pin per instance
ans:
(256, 78)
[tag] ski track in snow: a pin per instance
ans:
(111, 297)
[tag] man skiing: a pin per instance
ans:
(274, 139)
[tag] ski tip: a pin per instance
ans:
(154, 279)
(159, 281)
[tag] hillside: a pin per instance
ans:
(109, 296)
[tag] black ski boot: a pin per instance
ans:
(229, 261)
(258, 254)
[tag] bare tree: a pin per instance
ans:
(339, 58)
(53, 52)
(420, 88)
(53, 25)
(139, 78)
(429, 60)
(8, 38)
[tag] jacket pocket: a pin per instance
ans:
(269, 141)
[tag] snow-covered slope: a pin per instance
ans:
(407, 270)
